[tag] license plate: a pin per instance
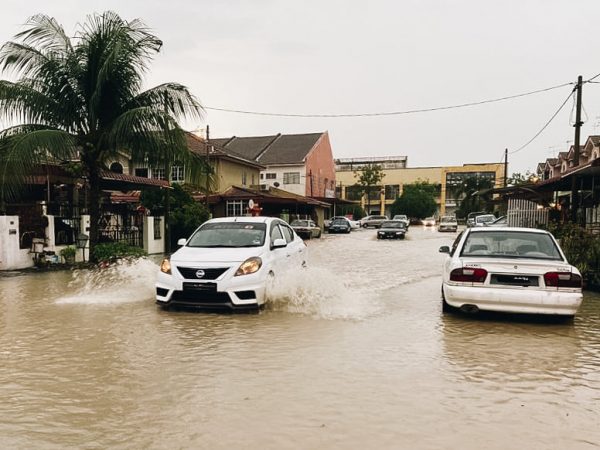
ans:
(207, 287)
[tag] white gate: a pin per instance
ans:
(525, 213)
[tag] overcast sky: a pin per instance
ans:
(349, 56)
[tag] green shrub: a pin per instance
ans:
(68, 253)
(115, 250)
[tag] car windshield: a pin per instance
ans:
(229, 234)
(392, 224)
(448, 219)
(511, 244)
(300, 223)
(339, 222)
(400, 217)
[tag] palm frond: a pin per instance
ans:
(174, 98)
(46, 33)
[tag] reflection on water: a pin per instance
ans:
(352, 352)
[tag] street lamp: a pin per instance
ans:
(82, 242)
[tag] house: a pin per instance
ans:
(298, 163)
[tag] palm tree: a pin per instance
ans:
(83, 95)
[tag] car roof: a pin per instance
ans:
(506, 229)
(258, 219)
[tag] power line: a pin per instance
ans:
(388, 113)
(545, 126)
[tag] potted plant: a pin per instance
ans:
(68, 254)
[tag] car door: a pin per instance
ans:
(278, 256)
(295, 245)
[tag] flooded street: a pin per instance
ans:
(352, 353)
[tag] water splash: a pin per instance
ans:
(318, 292)
(123, 282)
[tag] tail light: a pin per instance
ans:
(468, 275)
(562, 279)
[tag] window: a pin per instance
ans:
(158, 174)
(177, 174)
(244, 178)
(271, 176)
(141, 172)
(262, 176)
(235, 208)
(354, 193)
(157, 227)
(392, 191)
(116, 167)
(288, 233)
(275, 233)
(291, 178)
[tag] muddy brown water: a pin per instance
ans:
(352, 353)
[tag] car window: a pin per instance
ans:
(513, 244)
(455, 243)
(311, 223)
(275, 232)
(229, 234)
(288, 233)
(299, 223)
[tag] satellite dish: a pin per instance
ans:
(251, 204)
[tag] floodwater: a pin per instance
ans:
(354, 352)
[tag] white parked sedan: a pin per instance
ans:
(516, 270)
(227, 262)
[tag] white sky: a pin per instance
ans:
(350, 56)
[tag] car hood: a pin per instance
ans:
(207, 255)
(529, 266)
(392, 229)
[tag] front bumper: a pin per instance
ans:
(510, 300)
(448, 228)
(392, 235)
(243, 293)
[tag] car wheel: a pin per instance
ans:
(365, 225)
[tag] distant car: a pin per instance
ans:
(448, 223)
(227, 262)
(373, 221)
(483, 220)
(471, 218)
(392, 229)
(306, 229)
(339, 225)
(515, 270)
(403, 218)
(353, 223)
(501, 221)
(429, 222)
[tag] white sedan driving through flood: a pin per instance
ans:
(227, 262)
(515, 270)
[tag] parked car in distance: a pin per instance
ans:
(483, 220)
(339, 225)
(403, 218)
(501, 221)
(373, 221)
(353, 223)
(392, 229)
(306, 229)
(471, 217)
(429, 222)
(515, 270)
(227, 262)
(448, 223)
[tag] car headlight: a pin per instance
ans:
(398, 232)
(165, 266)
(251, 265)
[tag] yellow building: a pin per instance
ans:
(397, 175)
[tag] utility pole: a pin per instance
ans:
(207, 166)
(578, 124)
(505, 167)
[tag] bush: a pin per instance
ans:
(115, 250)
(68, 253)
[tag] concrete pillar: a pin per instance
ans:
(11, 256)
(50, 235)
(84, 254)
(382, 201)
(151, 245)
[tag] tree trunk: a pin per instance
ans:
(94, 209)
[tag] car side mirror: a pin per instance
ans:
(181, 242)
(279, 243)
(445, 249)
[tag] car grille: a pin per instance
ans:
(189, 273)
(200, 293)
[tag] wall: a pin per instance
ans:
(299, 189)
(230, 173)
(319, 163)
(11, 256)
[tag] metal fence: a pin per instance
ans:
(525, 213)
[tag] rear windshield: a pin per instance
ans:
(448, 219)
(339, 222)
(300, 223)
(485, 219)
(512, 244)
(229, 234)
